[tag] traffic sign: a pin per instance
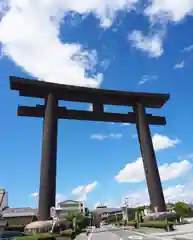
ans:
(52, 212)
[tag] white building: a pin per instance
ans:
(68, 207)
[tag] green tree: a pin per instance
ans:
(182, 209)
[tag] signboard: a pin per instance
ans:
(52, 212)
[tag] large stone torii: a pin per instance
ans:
(51, 112)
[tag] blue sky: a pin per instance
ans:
(104, 44)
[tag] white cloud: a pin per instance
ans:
(108, 203)
(149, 44)
(187, 156)
(109, 136)
(188, 49)
(161, 142)
(35, 194)
(105, 64)
(147, 78)
(99, 137)
(173, 10)
(38, 37)
(81, 192)
(179, 65)
(171, 194)
(29, 32)
(125, 124)
(115, 135)
(176, 169)
(134, 136)
(59, 197)
(90, 107)
(134, 171)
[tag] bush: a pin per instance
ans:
(67, 232)
(19, 228)
(83, 222)
(45, 236)
(158, 224)
(132, 223)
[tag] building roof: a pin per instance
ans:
(19, 212)
(107, 210)
(69, 201)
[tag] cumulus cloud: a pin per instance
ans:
(29, 32)
(109, 136)
(125, 124)
(161, 142)
(30, 36)
(148, 44)
(108, 203)
(35, 194)
(81, 192)
(59, 197)
(173, 10)
(188, 49)
(159, 13)
(180, 65)
(134, 171)
(147, 78)
(172, 194)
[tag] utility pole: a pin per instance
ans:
(126, 208)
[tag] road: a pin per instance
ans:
(114, 233)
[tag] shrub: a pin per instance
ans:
(67, 232)
(132, 223)
(19, 228)
(45, 236)
(83, 222)
(158, 224)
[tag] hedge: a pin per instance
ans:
(153, 224)
(132, 223)
(19, 228)
(158, 224)
(68, 233)
(45, 236)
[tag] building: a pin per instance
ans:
(69, 207)
(19, 216)
(14, 216)
(26, 215)
(101, 206)
(106, 212)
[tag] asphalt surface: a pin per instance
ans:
(114, 233)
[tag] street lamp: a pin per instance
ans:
(126, 208)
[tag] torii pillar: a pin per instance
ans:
(47, 190)
(153, 180)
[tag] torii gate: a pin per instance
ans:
(51, 112)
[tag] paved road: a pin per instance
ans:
(114, 233)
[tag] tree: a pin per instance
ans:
(182, 209)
